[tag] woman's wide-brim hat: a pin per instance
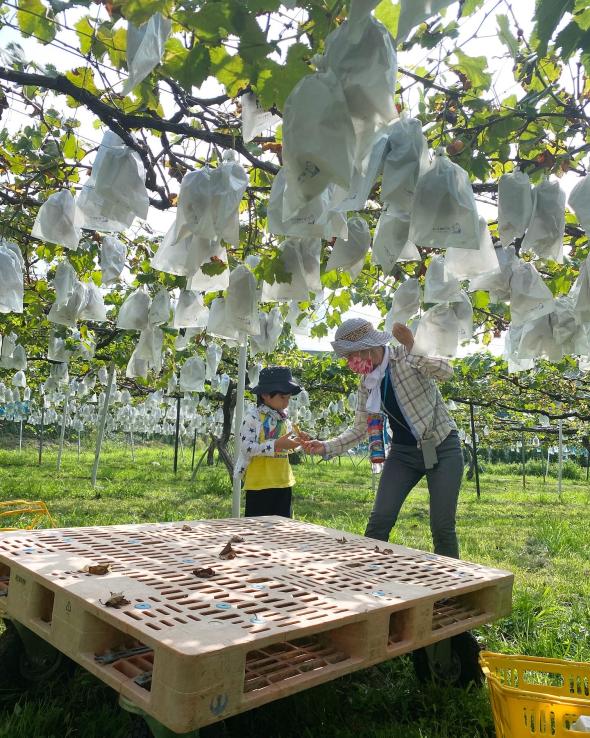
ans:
(276, 379)
(357, 334)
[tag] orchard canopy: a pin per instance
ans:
(178, 176)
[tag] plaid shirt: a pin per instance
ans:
(418, 396)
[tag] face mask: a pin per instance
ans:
(359, 365)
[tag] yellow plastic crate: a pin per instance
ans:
(27, 513)
(534, 696)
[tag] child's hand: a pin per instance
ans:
(286, 443)
(302, 437)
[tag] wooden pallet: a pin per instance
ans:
(298, 605)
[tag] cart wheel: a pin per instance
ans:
(19, 670)
(10, 651)
(139, 728)
(461, 670)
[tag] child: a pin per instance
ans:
(265, 442)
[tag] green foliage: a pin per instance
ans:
(35, 19)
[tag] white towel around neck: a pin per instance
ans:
(373, 381)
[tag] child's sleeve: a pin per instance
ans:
(249, 439)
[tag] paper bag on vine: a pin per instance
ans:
(159, 312)
(192, 375)
(444, 212)
(57, 221)
(437, 333)
(118, 176)
(220, 323)
(241, 301)
(149, 347)
(19, 380)
(112, 259)
(364, 175)
(18, 359)
(361, 54)
(391, 243)
(316, 218)
(298, 320)
(530, 298)
(213, 355)
(497, 283)
(570, 335)
(183, 256)
(8, 346)
(406, 159)
(349, 256)
(414, 12)
(580, 292)
(438, 287)
(97, 213)
(467, 263)
(205, 281)
(133, 315)
(254, 374)
(464, 313)
(300, 258)
(318, 140)
(67, 312)
(136, 367)
(93, 307)
(579, 201)
(57, 349)
(254, 118)
(190, 311)
(537, 340)
(145, 48)
(182, 339)
(515, 205)
(11, 278)
(405, 303)
(545, 233)
(271, 326)
(511, 345)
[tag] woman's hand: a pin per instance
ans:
(404, 335)
(314, 446)
(286, 443)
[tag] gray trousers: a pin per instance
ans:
(402, 470)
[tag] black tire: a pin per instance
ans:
(10, 653)
(138, 728)
(19, 671)
(463, 670)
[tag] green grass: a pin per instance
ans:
(541, 538)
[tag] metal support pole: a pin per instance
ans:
(587, 464)
(547, 464)
(176, 434)
(474, 445)
(63, 428)
(239, 414)
(102, 423)
(560, 457)
(20, 437)
(194, 447)
(41, 433)
(523, 457)
(79, 444)
(132, 446)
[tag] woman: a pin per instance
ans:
(401, 385)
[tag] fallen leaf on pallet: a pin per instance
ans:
(236, 539)
(186, 528)
(227, 552)
(383, 550)
(98, 569)
(205, 573)
(341, 540)
(116, 600)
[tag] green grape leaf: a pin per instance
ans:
(34, 19)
